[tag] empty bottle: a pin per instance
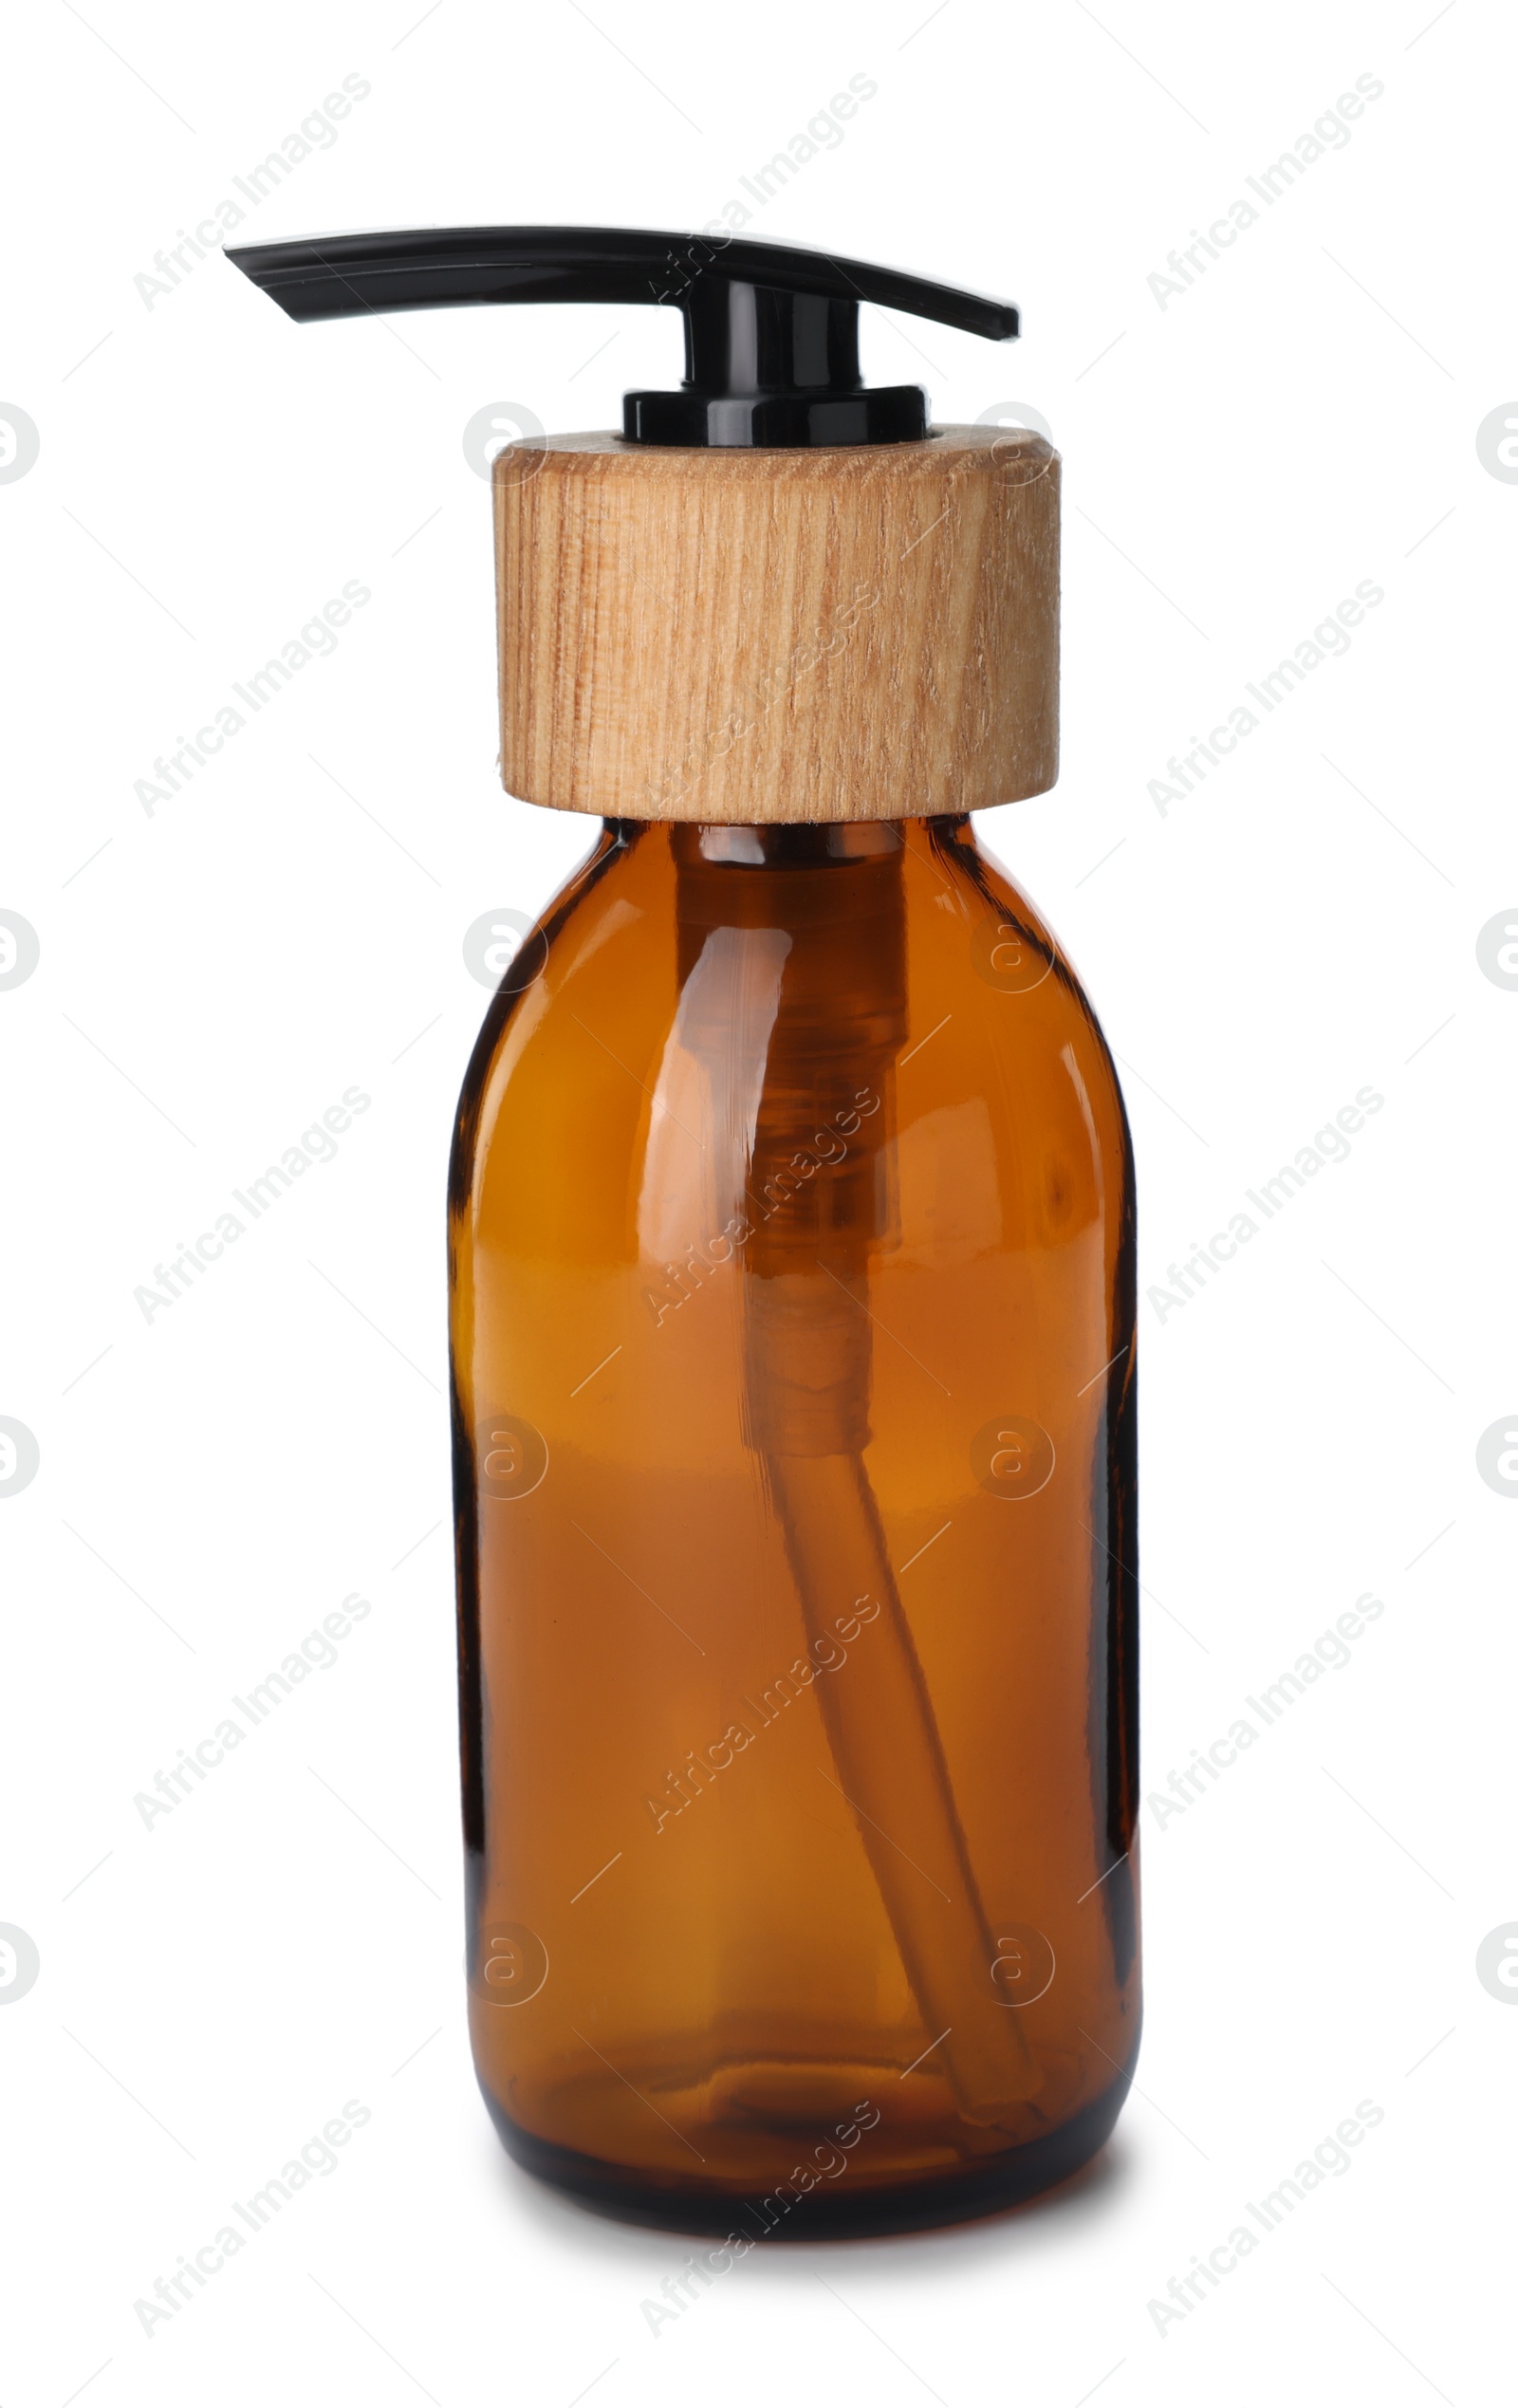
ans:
(792, 1260)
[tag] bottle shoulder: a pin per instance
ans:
(931, 962)
(980, 939)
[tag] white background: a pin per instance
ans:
(216, 974)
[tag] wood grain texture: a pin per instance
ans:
(852, 633)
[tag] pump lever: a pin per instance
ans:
(771, 330)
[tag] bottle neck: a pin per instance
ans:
(790, 844)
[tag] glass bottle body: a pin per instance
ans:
(791, 1259)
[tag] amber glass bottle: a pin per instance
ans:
(791, 1248)
(791, 1286)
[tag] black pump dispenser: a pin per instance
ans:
(772, 331)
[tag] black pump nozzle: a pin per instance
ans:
(771, 332)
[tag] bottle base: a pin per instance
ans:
(914, 2203)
